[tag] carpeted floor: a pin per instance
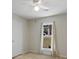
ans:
(36, 56)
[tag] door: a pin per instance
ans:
(47, 38)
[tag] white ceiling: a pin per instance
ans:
(25, 9)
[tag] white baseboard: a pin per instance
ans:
(16, 56)
(19, 54)
(33, 51)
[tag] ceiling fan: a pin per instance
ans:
(37, 5)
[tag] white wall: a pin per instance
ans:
(19, 35)
(61, 31)
(26, 34)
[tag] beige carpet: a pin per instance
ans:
(36, 56)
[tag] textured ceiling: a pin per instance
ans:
(25, 9)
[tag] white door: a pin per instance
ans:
(47, 38)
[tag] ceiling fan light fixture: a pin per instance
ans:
(36, 8)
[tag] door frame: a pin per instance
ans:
(47, 49)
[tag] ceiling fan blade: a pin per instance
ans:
(43, 7)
